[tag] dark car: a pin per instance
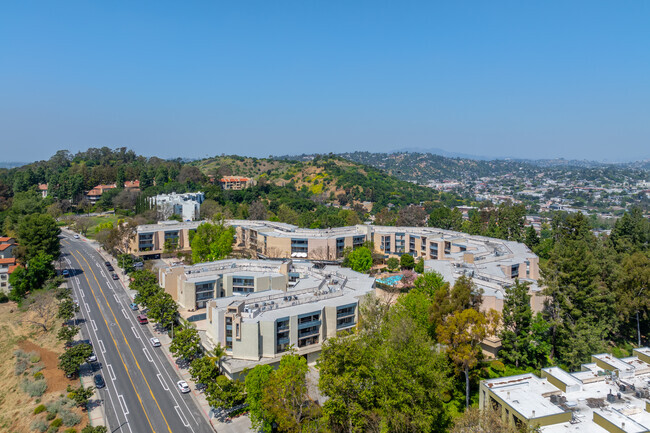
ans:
(115, 277)
(107, 263)
(110, 267)
(65, 273)
(99, 381)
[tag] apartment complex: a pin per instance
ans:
(187, 205)
(607, 395)
(258, 309)
(235, 182)
(493, 264)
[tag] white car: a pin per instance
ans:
(183, 386)
(76, 236)
(92, 358)
(154, 342)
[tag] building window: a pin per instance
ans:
(171, 239)
(412, 250)
(145, 242)
(399, 242)
(204, 291)
(243, 284)
(385, 244)
(433, 250)
(228, 333)
(340, 246)
(514, 271)
(345, 316)
(282, 335)
(358, 241)
(423, 245)
(299, 246)
(309, 329)
(447, 247)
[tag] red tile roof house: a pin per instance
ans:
(132, 184)
(42, 187)
(235, 182)
(7, 246)
(96, 193)
(7, 266)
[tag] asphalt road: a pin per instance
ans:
(141, 393)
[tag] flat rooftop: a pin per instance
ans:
(590, 393)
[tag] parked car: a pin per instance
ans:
(183, 386)
(107, 264)
(142, 319)
(110, 267)
(138, 265)
(133, 306)
(65, 273)
(76, 236)
(99, 381)
(115, 277)
(92, 358)
(154, 342)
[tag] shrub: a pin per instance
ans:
(21, 366)
(497, 366)
(39, 426)
(34, 358)
(36, 368)
(57, 423)
(50, 416)
(70, 430)
(35, 388)
(69, 418)
(39, 375)
(4, 298)
(40, 408)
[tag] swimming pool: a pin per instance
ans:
(390, 281)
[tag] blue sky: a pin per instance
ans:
(533, 79)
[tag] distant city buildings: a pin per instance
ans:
(187, 205)
(607, 395)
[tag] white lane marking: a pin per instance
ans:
(111, 373)
(123, 404)
(162, 382)
(101, 346)
(180, 415)
(125, 316)
(82, 294)
(87, 307)
(146, 353)
(68, 260)
(103, 274)
(136, 335)
(92, 322)
(115, 296)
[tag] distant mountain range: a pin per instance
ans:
(12, 164)
(424, 167)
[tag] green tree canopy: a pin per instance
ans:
(38, 233)
(212, 242)
(186, 344)
(360, 259)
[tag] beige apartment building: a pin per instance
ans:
(607, 395)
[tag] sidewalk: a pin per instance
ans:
(241, 424)
(95, 407)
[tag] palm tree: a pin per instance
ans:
(218, 352)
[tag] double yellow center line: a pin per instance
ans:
(125, 340)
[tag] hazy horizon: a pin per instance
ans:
(500, 79)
